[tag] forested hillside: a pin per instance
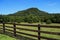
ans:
(33, 11)
(31, 15)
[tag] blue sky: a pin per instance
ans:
(12, 6)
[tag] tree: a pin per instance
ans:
(48, 22)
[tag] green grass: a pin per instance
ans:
(5, 37)
(35, 33)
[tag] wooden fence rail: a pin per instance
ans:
(38, 31)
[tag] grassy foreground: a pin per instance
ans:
(5, 37)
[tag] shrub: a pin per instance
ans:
(48, 22)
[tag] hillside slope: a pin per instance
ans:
(33, 11)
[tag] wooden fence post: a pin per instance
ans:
(3, 27)
(14, 29)
(38, 31)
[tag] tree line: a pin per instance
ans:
(31, 18)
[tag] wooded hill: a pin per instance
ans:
(31, 15)
(33, 11)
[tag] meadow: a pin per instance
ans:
(35, 33)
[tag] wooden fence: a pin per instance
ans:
(38, 31)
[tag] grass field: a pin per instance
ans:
(35, 33)
(5, 37)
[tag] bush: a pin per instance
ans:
(48, 22)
